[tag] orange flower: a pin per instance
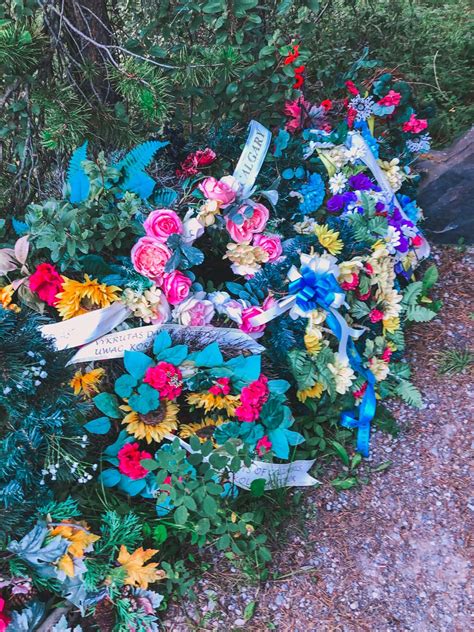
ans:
(138, 574)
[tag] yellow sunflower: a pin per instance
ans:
(6, 297)
(328, 239)
(209, 402)
(314, 392)
(79, 297)
(203, 430)
(88, 382)
(153, 426)
(391, 324)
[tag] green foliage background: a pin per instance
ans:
(175, 67)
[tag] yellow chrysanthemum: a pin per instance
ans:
(314, 392)
(137, 573)
(329, 239)
(88, 382)
(79, 297)
(203, 430)
(391, 324)
(313, 343)
(153, 426)
(209, 402)
(6, 297)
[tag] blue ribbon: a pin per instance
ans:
(315, 289)
(319, 289)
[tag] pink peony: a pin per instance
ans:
(414, 125)
(162, 223)
(166, 378)
(46, 282)
(392, 98)
(221, 387)
(176, 287)
(223, 190)
(129, 457)
(252, 399)
(263, 446)
(149, 257)
(255, 224)
(375, 316)
(247, 314)
(271, 244)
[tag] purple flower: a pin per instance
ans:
(339, 201)
(361, 182)
(379, 207)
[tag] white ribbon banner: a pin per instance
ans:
(252, 157)
(356, 140)
(80, 330)
(114, 345)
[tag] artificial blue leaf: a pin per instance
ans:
(278, 386)
(95, 266)
(164, 198)
(130, 486)
(134, 163)
(137, 363)
(382, 110)
(20, 228)
(193, 255)
(288, 174)
(246, 369)
(235, 288)
(27, 619)
(210, 356)
(77, 179)
(107, 404)
(163, 507)
(101, 425)
(251, 433)
(281, 142)
(145, 400)
(125, 384)
(123, 438)
(110, 477)
(293, 438)
(279, 441)
(162, 341)
(175, 355)
(300, 173)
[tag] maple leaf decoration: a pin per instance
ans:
(139, 575)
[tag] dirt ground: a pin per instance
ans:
(393, 555)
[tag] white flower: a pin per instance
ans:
(306, 227)
(393, 172)
(151, 305)
(355, 153)
(343, 375)
(195, 311)
(392, 239)
(337, 183)
(337, 156)
(391, 301)
(379, 368)
(363, 106)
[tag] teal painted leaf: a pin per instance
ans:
(210, 356)
(134, 163)
(293, 438)
(107, 404)
(110, 477)
(279, 443)
(246, 369)
(101, 425)
(175, 355)
(278, 386)
(137, 363)
(162, 341)
(125, 384)
(130, 486)
(113, 449)
(145, 400)
(77, 179)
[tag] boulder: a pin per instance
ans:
(446, 193)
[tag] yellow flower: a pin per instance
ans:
(203, 430)
(343, 374)
(329, 239)
(6, 297)
(312, 342)
(208, 211)
(153, 426)
(209, 402)
(137, 573)
(379, 368)
(391, 324)
(88, 382)
(314, 392)
(81, 297)
(81, 542)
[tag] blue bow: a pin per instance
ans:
(315, 289)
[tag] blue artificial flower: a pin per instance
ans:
(313, 192)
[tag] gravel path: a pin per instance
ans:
(392, 555)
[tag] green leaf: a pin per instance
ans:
(430, 278)
(107, 404)
(341, 452)
(101, 425)
(161, 342)
(203, 526)
(411, 293)
(149, 464)
(210, 506)
(181, 515)
(257, 487)
(160, 534)
(419, 314)
(249, 610)
(137, 363)
(409, 393)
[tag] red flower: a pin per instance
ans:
(166, 378)
(263, 446)
(222, 386)
(375, 316)
(363, 297)
(361, 391)
(196, 161)
(129, 457)
(387, 354)
(350, 85)
(46, 282)
(253, 398)
(297, 110)
(351, 115)
(352, 284)
(326, 104)
(392, 98)
(414, 125)
(368, 268)
(293, 56)
(416, 241)
(299, 79)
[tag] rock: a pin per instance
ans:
(446, 193)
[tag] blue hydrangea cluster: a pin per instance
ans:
(313, 192)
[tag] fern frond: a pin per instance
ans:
(134, 163)
(77, 180)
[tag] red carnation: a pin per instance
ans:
(129, 457)
(222, 386)
(166, 378)
(46, 282)
(299, 79)
(326, 104)
(350, 85)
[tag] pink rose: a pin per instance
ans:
(223, 190)
(271, 244)
(149, 257)
(247, 314)
(255, 224)
(176, 287)
(162, 223)
(194, 311)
